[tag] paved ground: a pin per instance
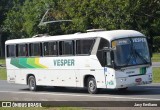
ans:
(16, 92)
(20, 92)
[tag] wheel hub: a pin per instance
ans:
(91, 85)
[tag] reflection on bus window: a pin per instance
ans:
(50, 48)
(84, 46)
(11, 51)
(35, 49)
(22, 50)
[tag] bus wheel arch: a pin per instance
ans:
(90, 84)
(31, 82)
(85, 80)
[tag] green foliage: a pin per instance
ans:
(2, 61)
(4, 7)
(24, 16)
(156, 43)
(144, 15)
(156, 57)
(156, 75)
(3, 74)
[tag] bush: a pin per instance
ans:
(156, 44)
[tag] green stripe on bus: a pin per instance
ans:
(15, 62)
(31, 62)
(23, 62)
(26, 63)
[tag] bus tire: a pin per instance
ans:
(91, 85)
(32, 83)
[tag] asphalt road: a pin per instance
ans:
(18, 92)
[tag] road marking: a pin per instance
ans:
(81, 95)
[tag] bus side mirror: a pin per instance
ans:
(112, 59)
(112, 55)
(109, 57)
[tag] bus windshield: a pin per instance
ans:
(131, 51)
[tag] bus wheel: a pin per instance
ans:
(91, 85)
(32, 83)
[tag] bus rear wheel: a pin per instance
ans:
(91, 85)
(32, 83)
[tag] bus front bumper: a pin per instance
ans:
(133, 81)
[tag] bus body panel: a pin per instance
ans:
(72, 75)
(129, 77)
(70, 71)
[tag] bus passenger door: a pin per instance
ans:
(108, 70)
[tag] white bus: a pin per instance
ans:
(115, 59)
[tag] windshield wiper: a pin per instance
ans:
(129, 58)
(140, 56)
(131, 55)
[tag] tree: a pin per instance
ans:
(23, 19)
(141, 15)
(14, 20)
(4, 7)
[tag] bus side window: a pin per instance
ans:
(35, 49)
(84, 46)
(66, 47)
(50, 48)
(22, 50)
(11, 51)
(60, 47)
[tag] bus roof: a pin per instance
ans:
(109, 35)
